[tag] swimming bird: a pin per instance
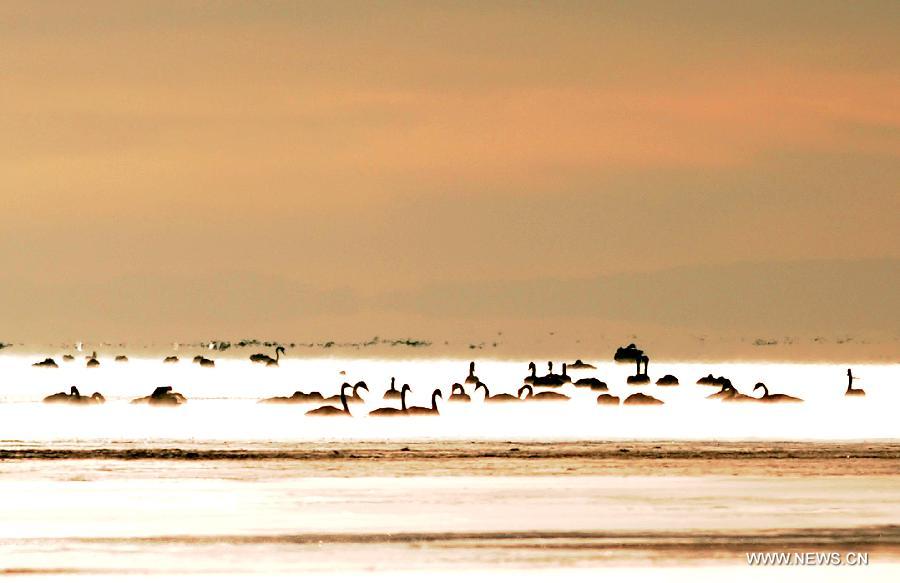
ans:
(353, 398)
(161, 396)
(297, 397)
(640, 378)
(392, 393)
(390, 411)
(206, 362)
(775, 397)
(73, 397)
(46, 363)
(425, 410)
(92, 361)
(471, 379)
(544, 396)
(630, 353)
(329, 410)
(266, 359)
(498, 398)
(551, 379)
(729, 393)
(719, 381)
(579, 364)
(641, 399)
(532, 369)
(667, 381)
(851, 392)
(606, 399)
(594, 384)
(458, 393)
(170, 359)
(68, 357)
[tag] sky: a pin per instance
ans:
(312, 169)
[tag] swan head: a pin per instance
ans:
(763, 387)
(405, 388)
(456, 387)
(437, 393)
(525, 388)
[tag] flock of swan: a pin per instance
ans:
(534, 388)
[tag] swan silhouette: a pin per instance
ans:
(425, 410)
(578, 364)
(606, 399)
(498, 398)
(667, 381)
(641, 399)
(390, 411)
(121, 358)
(68, 357)
(73, 397)
(266, 359)
(392, 393)
(331, 410)
(551, 379)
(851, 392)
(630, 353)
(353, 398)
(595, 384)
(297, 397)
(170, 360)
(544, 396)
(162, 397)
(46, 363)
(713, 381)
(775, 397)
(471, 379)
(458, 393)
(532, 376)
(730, 394)
(640, 378)
(92, 361)
(206, 362)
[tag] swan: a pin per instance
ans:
(471, 379)
(628, 353)
(329, 410)
(775, 397)
(73, 397)
(392, 393)
(667, 381)
(545, 396)
(551, 379)
(170, 359)
(390, 411)
(353, 398)
(532, 368)
(297, 397)
(579, 364)
(162, 396)
(641, 399)
(607, 399)
(425, 410)
(121, 358)
(594, 384)
(206, 362)
(713, 381)
(640, 378)
(92, 361)
(46, 363)
(68, 357)
(459, 396)
(266, 359)
(498, 398)
(851, 392)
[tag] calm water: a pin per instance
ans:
(226, 485)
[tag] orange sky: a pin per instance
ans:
(367, 149)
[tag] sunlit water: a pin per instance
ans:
(519, 489)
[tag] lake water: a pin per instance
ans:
(226, 486)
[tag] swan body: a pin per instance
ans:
(544, 396)
(297, 397)
(713, 381)
(578, 364)
(73, 397)
(390, 411)
(498, 398)
(640, 378)
(121, 358)
(92, 361)
(471, 379)
(68, 357)
(593, 383)
(607, 399)
(667, 381)
(162, 397)
(206, 362)
(266, 359)
(425, 410)
(775, 397)
(46, 363)
(641, 399)
(170, 359)
(331, 410)
(392, 393)
(458, 393)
